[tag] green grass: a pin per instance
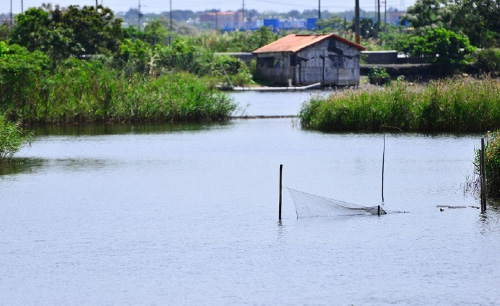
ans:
(451, 105)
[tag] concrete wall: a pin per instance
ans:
(389, 58)
(276, 67)
(329, 62)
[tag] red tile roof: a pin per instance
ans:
(295, 42)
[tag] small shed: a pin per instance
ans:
(308, 59)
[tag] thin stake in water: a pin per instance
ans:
(482, 177)
(383, 163)
(281, 181)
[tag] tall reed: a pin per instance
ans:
(90, 92)
(451, 105)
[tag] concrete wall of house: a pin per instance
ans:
(330, 62)
(275, 67)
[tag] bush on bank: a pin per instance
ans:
(450, 105)
(12, 138)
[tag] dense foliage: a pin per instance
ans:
(479, 20)
(462, 105)
(440, 46)
(73, 31)
(79, 65)
(12, 137)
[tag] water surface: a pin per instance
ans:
(187, 215)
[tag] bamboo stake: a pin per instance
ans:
(383, 164)
(482, 177)
(281, 181)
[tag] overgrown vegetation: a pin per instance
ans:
(12, 137)
(87, 91)
(79, 65)
(451, 105)
(491, 166)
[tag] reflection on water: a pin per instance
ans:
(490, 219)
(119, 129)
(35, 165)
(21, 165)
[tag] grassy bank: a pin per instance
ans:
(81, 91)
(457, 105)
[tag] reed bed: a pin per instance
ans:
(91, 92)
(450, 105)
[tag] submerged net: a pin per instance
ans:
(309, 205)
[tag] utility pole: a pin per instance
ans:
(96, 4)
(378, 15)
(356, 27)
(11, 18)
(385, 16)
(171, 26)
(243, 15)
(319, 9)
(22, 7)
(139, 16)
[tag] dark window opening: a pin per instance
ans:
(265, 62)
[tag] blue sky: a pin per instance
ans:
(199, 5)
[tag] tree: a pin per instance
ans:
(332, 23)
(441, 47)
(428, 14)
(19, 70)
(479, 20)
(62, 33)
(96, 30)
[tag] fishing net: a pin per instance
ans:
(309, 205)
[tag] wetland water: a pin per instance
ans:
(187, 215)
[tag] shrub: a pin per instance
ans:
(440, 47)
(12, 137)
(378, 76)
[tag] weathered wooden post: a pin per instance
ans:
(281, 182)
(482, 175)
(378, 210)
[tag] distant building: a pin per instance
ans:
(223, 20)
(307, 59)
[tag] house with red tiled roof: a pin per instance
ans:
(308, 59)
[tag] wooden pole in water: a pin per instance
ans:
(383, 164)
(482, 177)
(281, 182)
